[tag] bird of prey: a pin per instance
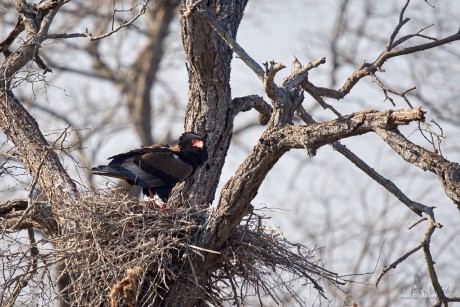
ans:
(158, 168)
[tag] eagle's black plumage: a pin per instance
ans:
(158, 168)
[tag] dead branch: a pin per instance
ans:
(447, 172)
(6, 43)
(316, 135)
(124, 252)
(242, 187)
(389, 52)
(441, 298)
(417, 208)
(16, 215)
(32, 146)
(387, 90)
(243, 104)
(231, 42)
(89, 35)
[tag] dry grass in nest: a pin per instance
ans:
(126, 253)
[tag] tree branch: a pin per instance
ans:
(243, 104)
(238, 192)
(16, 215)
(316, 135)
(37, 20)
(417, 208)
(231, 42)
(32, 147)
(17, 123)
(389, 52)
(447, 172)
(124, 24)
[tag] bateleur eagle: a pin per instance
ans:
(158, 168)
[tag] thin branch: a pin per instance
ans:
(20, 284)
(231, 42)
(369, 68)
(6, 43)
(394, 264)
(232, 282)
(99, 37)
(417, 208)
(34, 182)
(408, 50)
(192, 8)
(417, 34)
(402, 22)
(299, 73)
(272, 90)
(387, 90)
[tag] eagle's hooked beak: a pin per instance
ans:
(197, 143)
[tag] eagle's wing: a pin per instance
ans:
(165, 164)
(148, 167)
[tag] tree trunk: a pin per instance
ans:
(209, 111)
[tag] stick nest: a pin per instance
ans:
(127, 253)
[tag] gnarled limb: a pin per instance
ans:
(238, 192)
(448, 172)
(243, 104)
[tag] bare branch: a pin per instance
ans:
(387, 90)
(394, 264)
(416, 207)
(272, 90)
(192, 8)
(299, 73)
(367, 69)
(417, 34)
(441, 297)
(402, 22)
(243, 104)
(228, 38)
(16, 215)
(239, 191)
(32, 146)
(319, 134)
(35, 36)
(447, 172)
(11, 37)
(101, 36)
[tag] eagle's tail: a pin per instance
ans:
(105, 170)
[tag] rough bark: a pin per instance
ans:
(14, 216)
(210, 110)
(239, 191)
(448, 172)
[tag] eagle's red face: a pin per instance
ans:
(197, 143)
